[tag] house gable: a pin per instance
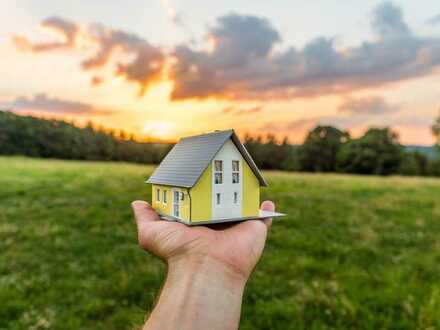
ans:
(227, 195)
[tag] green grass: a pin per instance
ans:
(354, 253)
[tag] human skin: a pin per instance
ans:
(208, 267)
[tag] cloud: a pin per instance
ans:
(367, 105)
(66, 29)
(434, 20)
(43, 103)
(144, 66)
(244, 62)
(346, 122)
(368, 120)
(387, 21)
(240, 111)
(240, 42)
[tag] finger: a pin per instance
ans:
(268, 206)
(146, 219)
(143, 212)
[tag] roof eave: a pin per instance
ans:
(248, 158)
(168, 184)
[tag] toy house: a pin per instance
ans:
(208, 178)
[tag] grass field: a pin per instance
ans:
(354, 252)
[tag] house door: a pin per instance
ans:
(176, 203)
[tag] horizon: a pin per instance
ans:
(152, 140)
(168, 69)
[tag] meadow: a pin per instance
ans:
(354, 252)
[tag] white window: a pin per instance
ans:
(235, 171)
(218, 171)
(164, 196)
(235, 197)
(182, 196)
(158, 195)
(218, 164)
(218, 198)
(235, 166)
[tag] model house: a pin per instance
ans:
(207, 178)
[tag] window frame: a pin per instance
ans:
(218, 161)
(236, 171)
(158, 195)
(238, 165)
(165, 197)
(218, 199)
(235, 197)
(218, 171)
(220, 176)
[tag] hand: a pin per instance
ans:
(237, 246)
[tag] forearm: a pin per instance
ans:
(199, 293)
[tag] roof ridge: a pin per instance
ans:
(209, 133)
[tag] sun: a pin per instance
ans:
(159, 129)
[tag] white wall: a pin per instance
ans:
(227, 208)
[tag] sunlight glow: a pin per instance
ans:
(158, 129)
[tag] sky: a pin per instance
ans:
(162, 69)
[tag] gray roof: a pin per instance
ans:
(191, 156)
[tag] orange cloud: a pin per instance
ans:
(144, 68)
(66, 29)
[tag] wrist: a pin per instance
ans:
(207, 268)
(195, 284)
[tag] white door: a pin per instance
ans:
(227, 182)
(176, 203)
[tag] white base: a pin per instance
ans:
(262, 215)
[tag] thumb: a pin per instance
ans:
(268, 206)
(143, 212)
(146, 218)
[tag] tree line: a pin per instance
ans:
(328, 149)
(325, 149)
(34, 137)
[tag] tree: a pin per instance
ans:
(413, 163)
(320, 149)
(434, 167)
(377, 152)
(436, 129)
(270, 154)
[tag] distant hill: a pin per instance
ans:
(430, 152)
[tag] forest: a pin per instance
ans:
(325, 148)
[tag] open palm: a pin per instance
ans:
(237, 246)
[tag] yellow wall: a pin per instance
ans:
(167, 208)
(251, 192)
(184, 205)
(201, 197)
(161, 207)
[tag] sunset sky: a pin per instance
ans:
(169, 68)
